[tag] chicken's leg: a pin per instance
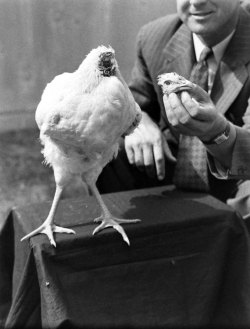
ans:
(48, 226)
(107, 219)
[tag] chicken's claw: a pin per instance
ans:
(49, 230)
(98, 219)
(119, 229)
(114, 222)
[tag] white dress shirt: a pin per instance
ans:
(213, 61)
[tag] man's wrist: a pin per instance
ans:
(219, 137)
(223, 152)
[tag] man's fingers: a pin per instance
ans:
(138, 156)
(190, 104)
(199, 94)
(130, 154)
(144, 149)
(167, 152)
(177, 107)
(197, 110)
(169, 111)
(159, 160)
(149, 160)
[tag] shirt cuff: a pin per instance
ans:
(217, 169)
(218, 152)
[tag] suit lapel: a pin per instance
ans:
(226, 90)
(233, 67)
(179, 53)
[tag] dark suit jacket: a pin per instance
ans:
(165, 45)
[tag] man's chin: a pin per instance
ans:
(200, 26)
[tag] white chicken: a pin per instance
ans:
(81, 117)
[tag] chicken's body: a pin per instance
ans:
(81, 117)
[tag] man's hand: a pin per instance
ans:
(146, 148)
(193, 113)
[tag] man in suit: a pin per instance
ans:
(173, 44)
(230, 156)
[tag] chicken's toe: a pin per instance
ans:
(119, 229)
(33, 233)
(98, 219)
(99, 228)
(114, 222)
(59, 229)
(49, 229)
(115, 225)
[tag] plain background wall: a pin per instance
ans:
(43, 38)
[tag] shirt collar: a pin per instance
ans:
(218, 50)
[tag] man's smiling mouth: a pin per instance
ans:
(201, 14)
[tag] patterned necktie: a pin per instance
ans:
(191, 167)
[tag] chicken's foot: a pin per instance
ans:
(48, 227)
(111, 221)
(108, 220)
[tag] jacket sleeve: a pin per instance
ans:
(240, 165)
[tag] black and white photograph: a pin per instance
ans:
(124, 164)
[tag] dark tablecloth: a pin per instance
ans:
(188, 264)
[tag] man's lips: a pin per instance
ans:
(201, 14)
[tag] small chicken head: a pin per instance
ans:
(173, 83)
